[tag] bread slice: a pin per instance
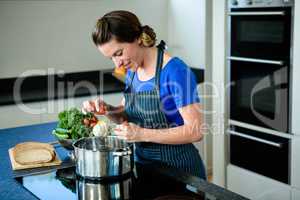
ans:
(33, 153)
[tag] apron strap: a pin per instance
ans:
(131, 80)
(159, 63)
(160, 55)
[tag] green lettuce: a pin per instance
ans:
(70, 124)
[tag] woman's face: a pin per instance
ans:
(126, 54)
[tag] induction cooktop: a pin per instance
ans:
(65, 184)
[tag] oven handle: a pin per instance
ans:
(279, 145)
(274, 62)
(281, 13)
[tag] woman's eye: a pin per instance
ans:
(119, 53)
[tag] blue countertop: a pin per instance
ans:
(11, 189)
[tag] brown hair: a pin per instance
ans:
(124, 26)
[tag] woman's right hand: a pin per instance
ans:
(97, 106)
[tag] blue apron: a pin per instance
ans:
(144, 108)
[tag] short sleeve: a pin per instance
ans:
(182, 85)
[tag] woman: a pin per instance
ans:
(160, 111)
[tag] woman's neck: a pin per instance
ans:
(149, 59)
(148, 66)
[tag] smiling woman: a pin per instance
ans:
(161, 110)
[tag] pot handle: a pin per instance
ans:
(72, 156)
(122, 153)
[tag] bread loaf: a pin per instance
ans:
(33, 153)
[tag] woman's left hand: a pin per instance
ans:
(129, 132)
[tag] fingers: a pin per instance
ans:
(126, 131)
(88, 106)
(122, 131)
(121, 128)
(98, 106)
(83, 110)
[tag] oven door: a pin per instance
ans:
(259, 94)
(259, 152)
(261, 33)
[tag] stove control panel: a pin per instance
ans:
(259, 3)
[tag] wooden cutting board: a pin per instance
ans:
(17, 166)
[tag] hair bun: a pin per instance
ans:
(148, 36)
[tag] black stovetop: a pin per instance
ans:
(64, 184)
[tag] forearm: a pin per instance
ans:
(177, 135)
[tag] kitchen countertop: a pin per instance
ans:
(12, 190)
(69, 85)
(43, 88)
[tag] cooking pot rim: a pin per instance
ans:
(127, 145)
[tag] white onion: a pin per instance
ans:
(101, 129)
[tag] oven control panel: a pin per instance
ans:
(259, 3)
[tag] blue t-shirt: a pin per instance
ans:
(178, 88)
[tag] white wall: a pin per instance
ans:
(296, 73)
(218, 103)
(39, 34)
(295, 158)
(186, 34)
(207, 62)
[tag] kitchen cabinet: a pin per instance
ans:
(52, 108)
(254, 186)
(295, 162)
(295, 194)
(56, 106)
(17, 115)
(45, 111)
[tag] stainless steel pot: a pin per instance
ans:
(91, 190)
(101, 157)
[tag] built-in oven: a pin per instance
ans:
(262, 33)
(259, 60)
(259, 94)
(261, 153)
(259, 65)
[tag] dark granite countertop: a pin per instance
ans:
(11, 189)
(69, 85)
